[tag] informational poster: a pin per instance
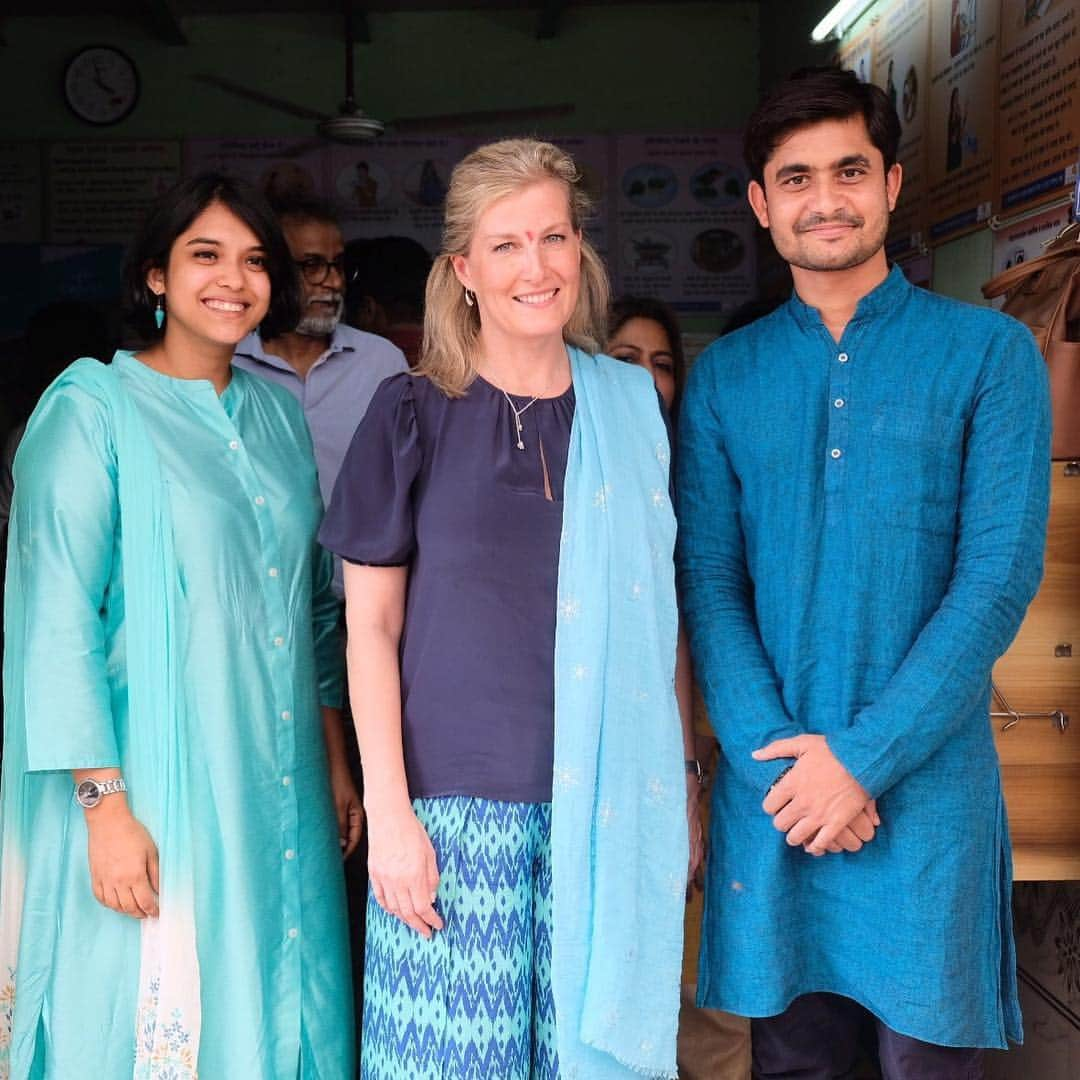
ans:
(593, 156)
(901, 69)
(20, 192)
(99, 191)
(683, 229)
(278, 167)
(856, 53)
(394, 187)
(1026, 240)
(1039, 101)
(963, 96)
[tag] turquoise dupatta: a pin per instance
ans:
(618, 832)
(35, 805)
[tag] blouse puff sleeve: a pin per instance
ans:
(64, 519)
(370, 517)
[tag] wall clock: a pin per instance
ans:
(101, 84)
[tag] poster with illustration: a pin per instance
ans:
(856, 53)
(901, 69)
(683, 230)
(961, 122)
(394, 186)
(1038, 102)
(280, 168)
(98, 191)
(1026, 240)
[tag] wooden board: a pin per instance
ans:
(1040, 764)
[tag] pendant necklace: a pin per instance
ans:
(518, 414)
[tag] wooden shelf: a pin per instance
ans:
(1046, 862)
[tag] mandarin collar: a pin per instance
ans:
(880, 300)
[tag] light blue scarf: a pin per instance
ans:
(618, 832)
(35, 805)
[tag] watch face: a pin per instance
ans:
(101, 85)
(88, 793)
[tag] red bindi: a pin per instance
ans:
(528, 236)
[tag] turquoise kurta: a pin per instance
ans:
(861, 530)
(269, 907)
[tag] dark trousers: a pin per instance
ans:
(817, 1038)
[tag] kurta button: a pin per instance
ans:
(289, 853)
(286, 781)
(286, 715)
(234, 445)
(278, 642)
(843, 358)
(293, 932)
(839, 403)
(259, 500)
(272, 571)
(834, 454)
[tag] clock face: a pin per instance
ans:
(101, 85)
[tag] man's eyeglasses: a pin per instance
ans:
(316, 269)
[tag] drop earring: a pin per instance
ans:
(470, 298)
(159, 312)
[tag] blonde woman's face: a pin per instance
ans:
(524, 265)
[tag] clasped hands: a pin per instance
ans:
(817, 802)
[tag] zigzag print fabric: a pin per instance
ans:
(474, 1002)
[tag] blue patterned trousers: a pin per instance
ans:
(474, 1002)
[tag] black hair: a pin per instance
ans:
(626, 308)
(392, 270)
(809, 96)
(303, 206)
(173, 213)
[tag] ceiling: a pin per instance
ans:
(165, 18)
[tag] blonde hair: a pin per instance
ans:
(489, 173)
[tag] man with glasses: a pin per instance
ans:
(332, 369)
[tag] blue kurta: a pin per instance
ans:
(861, 530)
(269, 908)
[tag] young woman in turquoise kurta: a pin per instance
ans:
(170, 621)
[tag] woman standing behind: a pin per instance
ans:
(645, 332)
(163, 582)
(505, 517)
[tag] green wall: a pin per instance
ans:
(630, 67)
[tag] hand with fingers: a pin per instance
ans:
(817, 803)
(348, 809)
(123, 860)
(402, 870)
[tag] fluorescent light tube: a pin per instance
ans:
(839, 18)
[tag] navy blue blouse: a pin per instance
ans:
(440, 485)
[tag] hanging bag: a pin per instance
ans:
(1044, 294)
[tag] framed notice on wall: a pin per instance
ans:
(97, 192)
(1039, 101)
(961, 121)
(901, 69)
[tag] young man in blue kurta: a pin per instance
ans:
(863, 491)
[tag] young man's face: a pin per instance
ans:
(827, 197)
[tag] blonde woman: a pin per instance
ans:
(505, 521)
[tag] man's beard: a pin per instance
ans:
(869, 243)
(321, 323)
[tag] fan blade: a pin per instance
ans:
(445, 121)
(250, 94)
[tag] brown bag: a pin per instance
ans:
(1044, 294)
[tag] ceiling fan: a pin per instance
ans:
(352, 125)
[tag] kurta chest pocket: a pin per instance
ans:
(916, 460)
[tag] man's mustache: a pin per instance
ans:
(327, 298)
(815, 221)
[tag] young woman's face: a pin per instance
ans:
(645, 342)
(216, 286)
(524, 264)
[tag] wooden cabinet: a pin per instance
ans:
(1040, 755)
